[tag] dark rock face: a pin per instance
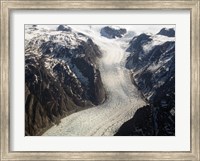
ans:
(158, 78)
(63, 28)
(60, 80)
(137, 42)
(167, 32)
(149, 121)
(112, 33)
(139, 125)
(153, 72)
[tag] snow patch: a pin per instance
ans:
(156, 40)
(154, 67)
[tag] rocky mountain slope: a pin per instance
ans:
(167, 32)
(111, 32)
(152, 65)
(61, 76)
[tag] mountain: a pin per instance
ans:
(152, 65)
(61, 76)
(63, 28)
(167, 32)
(112, 33)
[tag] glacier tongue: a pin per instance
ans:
(122, 102)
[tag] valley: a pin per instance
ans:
(123, 99)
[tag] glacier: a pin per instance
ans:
(115, 64)
(123, 98)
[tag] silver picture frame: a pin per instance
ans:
(192, 5)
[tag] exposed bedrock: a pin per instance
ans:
(112, 33)
(153, 72)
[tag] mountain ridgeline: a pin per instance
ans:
(61, 76)
(153, 72)
(112, 33)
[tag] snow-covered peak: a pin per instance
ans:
(112, 33)
(64, 28)
(170, 32)
(156, 40)
(38, 34)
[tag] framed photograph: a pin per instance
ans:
(100, 80)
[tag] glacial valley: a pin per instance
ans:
(95, 80)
